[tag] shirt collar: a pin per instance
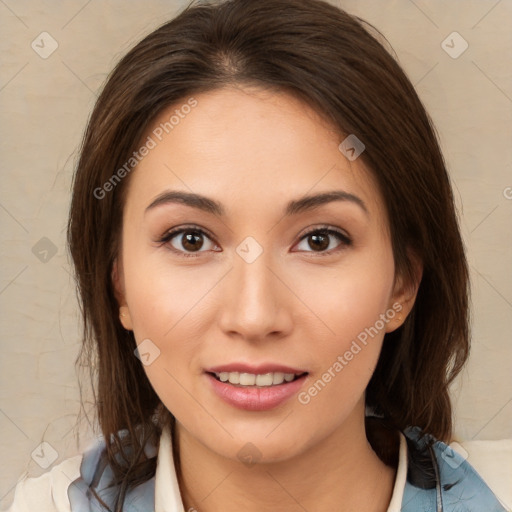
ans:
(167, 490)
(395, 505)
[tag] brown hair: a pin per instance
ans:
(334, 62)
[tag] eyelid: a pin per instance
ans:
(170, 233)
(344, 238)
(326, 228)
(173, 232)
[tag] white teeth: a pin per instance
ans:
(278, 378)
(251, 379)
(234, 378)
(247, 379)
(264, 380)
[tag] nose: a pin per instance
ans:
(255, 305)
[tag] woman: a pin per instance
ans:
(273, 282)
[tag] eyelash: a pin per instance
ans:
(345, 240)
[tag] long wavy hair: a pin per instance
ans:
(339, 65)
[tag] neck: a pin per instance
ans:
(342, 473)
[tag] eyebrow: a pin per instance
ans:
(305, 203)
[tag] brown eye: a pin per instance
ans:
(318, 242)
(192, 240)
(323, 240)
(188, 241)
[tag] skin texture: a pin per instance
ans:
(253, 151)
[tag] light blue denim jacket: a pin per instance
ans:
(438, 480)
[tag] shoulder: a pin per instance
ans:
(48, 492)
(80, 483)
(463, 476)
(493, 462)
(94, 489)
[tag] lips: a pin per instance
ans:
(255, 387)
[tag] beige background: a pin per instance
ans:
(44, 106)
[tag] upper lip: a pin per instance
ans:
(258, 369)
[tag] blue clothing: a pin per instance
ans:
(438, 480)
(441, 480)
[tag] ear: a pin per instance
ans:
(404, 293)
(119, 292)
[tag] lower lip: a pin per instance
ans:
(256, 398)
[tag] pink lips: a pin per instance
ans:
(254, 398)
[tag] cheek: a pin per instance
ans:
(170, 306)
(162, 296)
(352, 304)
(348, 299)
(165, 307)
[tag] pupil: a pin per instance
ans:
(319, 242)
(190, 238)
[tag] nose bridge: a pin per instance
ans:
(254, 304)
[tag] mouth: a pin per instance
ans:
(258, 380)
(261, 389)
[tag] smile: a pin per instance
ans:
(256, 391)
(259, 380)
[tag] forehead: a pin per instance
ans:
(241, 145)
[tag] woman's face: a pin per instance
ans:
(281, 263)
